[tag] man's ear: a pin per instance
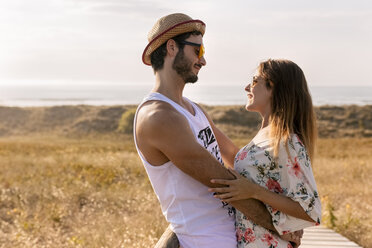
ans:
(172, 48)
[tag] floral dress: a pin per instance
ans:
(291, 176)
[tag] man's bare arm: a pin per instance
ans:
(168, 240)
(255, 211)
(169, 132)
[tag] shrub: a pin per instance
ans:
(126, 121)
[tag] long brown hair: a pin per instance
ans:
(291, 105)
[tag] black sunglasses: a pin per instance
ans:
(201, 47)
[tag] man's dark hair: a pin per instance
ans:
(157, 56)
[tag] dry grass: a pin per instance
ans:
(342, 170)
(92, 191)
(86, 192)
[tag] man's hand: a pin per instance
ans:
(293, 237)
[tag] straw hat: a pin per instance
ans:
(167, 27)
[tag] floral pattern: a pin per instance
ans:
(290, 175)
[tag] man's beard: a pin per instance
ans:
(183, 68)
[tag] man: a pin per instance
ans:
(177, 141)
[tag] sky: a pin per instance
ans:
(62, 42)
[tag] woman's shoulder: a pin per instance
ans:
(296, 138)
(293, 147)
(294, 142)
(298, 149)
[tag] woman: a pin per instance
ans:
(275, 166)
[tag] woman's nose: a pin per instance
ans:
(248, 87)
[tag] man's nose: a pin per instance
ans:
(203, 62)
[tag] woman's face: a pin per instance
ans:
(259, 96)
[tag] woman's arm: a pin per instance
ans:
(281, 203)
(227, 147)
(243, 188)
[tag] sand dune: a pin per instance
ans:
(333, 121)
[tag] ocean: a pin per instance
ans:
(49, 95)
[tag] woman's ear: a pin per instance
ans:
(270, 88)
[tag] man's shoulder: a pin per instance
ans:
(158, 114)
(201, 108)
(154, 110)
(205, 113)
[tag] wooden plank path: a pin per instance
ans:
(322, 237)
(314, 237)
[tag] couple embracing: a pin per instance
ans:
(213, 193)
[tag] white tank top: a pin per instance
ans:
(198, 219)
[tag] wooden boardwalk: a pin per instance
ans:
(321, 237)
(314, 237)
